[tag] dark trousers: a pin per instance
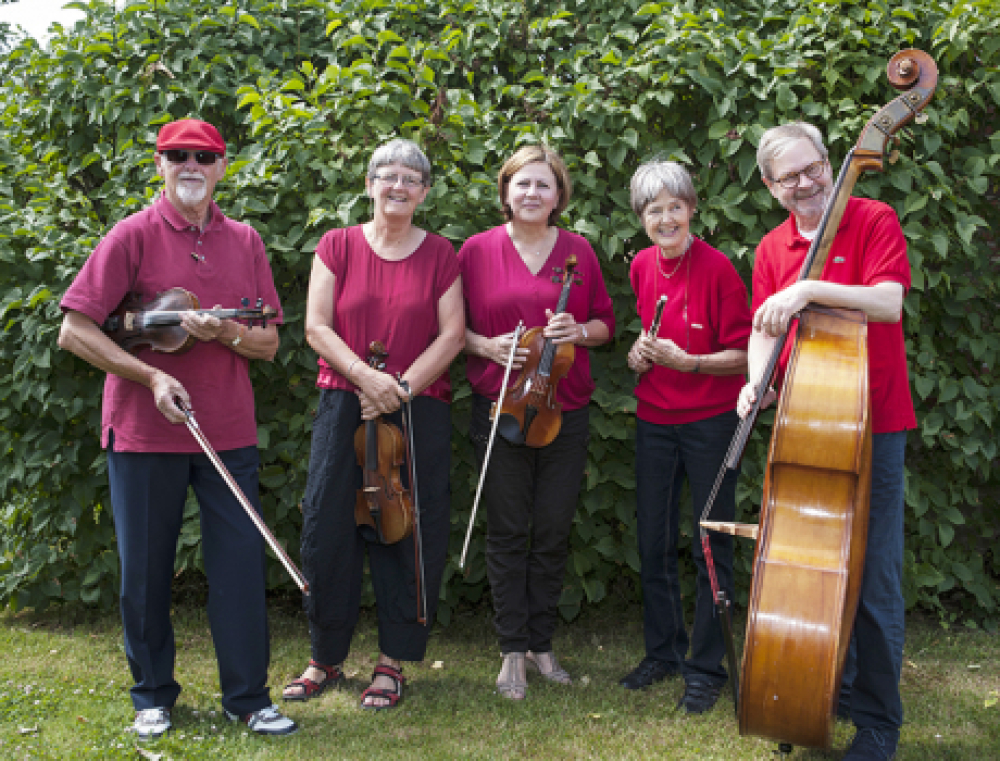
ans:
(333, 548)
(530, 497)
(148, 492)
(664, 456)
(875, 661)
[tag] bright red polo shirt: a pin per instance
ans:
(500, 290)
(869, 249)
(395, 302)
(706, 312)
(153, 251)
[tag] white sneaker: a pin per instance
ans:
(267, 721)
(152, 723)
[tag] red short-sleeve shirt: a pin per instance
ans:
(153, 251)
(706, 312)
(500, 291)
(869, 249)
(395, 302)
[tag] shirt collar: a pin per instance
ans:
(793, 238)
(176, 220)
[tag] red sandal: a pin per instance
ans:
(311, 689)
(394, 696)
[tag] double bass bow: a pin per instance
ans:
(810, 543)
(529, 413)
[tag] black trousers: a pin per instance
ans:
(530, 497)
(333, 548)
(148, 491)
(664, 456)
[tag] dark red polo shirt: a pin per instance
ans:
(150, 252)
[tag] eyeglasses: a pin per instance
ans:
(813, 172)
(408, 180)
(205, 158)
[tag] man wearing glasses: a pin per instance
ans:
(183, 240)
(867, 270)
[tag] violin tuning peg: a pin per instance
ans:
(921, 118)
(245, 301)
(260, 303)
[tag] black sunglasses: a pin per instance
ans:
(207, 158)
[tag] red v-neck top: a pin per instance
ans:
(500, 290)
(395, 302)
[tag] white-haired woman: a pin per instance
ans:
(389, 281)
(691, 376)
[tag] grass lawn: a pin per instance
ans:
(64, 695)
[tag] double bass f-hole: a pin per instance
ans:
(529, 413)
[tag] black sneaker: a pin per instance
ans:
(646, 673)
(871, 745)
(700, 694)
(267, 721)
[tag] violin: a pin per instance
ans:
(529, 413)
(383, 503)
(135, 325)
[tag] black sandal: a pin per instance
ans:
(394, 696)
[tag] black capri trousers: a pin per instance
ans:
(333, 548)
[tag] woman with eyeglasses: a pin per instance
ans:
(389, 281)
(530, 494)
(690, 373)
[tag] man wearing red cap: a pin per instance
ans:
(183, 240)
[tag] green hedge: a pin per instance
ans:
(304, 90)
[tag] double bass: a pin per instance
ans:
(810, 544)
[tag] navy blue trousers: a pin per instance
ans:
(148, 491)
(664, 456)
(875, 660)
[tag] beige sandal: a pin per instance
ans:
(547, 665)
(512, 682)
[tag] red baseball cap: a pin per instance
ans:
(190, 134)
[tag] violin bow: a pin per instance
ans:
(489, 444)
(418, 538)
(196, 431)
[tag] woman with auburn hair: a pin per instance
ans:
(530, 493)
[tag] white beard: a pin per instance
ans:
(190, 196)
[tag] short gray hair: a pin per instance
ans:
(400, 151)
(654, 177)
(776, 140)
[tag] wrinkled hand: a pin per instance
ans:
(748, 396)
(379, 393)
(166, 390)
(636, 362)
(204, 327)
(562, 328)
(773, 316)
(498, 350)
(663, 351)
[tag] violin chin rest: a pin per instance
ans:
(510, 429)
